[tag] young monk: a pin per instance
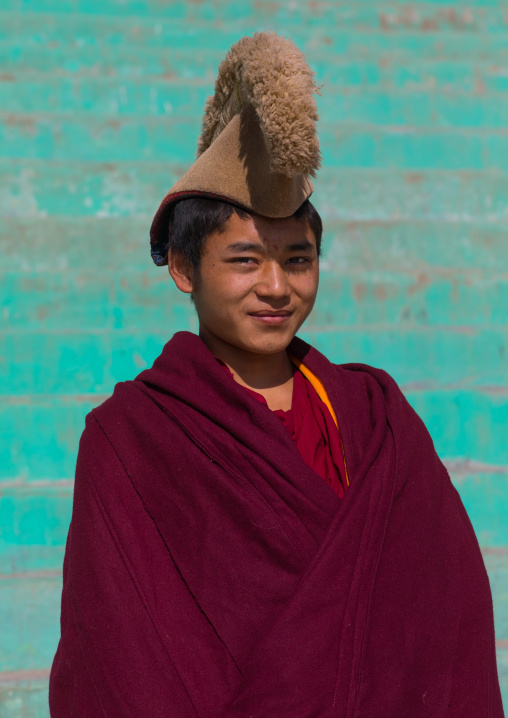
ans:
(257, 531)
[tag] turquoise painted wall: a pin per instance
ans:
(100, 106)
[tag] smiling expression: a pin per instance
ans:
(257, 283)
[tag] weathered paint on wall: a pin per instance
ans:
(100, 106)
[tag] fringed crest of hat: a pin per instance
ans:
(270, 73)
(258, 147)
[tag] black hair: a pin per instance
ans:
(193, 220)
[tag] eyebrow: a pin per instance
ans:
(256, 247)
(301, 246)
(245, 247)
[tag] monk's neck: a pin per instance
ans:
(256, 371)
(273, 379)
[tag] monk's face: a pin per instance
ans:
(257, 283)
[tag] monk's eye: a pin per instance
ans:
(243, 260)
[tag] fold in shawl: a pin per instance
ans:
(313, 430)
(210, 572)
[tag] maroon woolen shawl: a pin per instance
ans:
(210, 572)
(313, 430)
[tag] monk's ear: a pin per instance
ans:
(181, 271)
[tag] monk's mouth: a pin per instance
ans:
(272, 319)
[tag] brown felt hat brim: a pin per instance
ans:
(235, 168)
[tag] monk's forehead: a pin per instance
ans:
(274, 235)
(281, 230)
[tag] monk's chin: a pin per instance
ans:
(269, 344)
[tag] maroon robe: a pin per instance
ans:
(312, 428)
(209, 572)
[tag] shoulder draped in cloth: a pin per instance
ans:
(210, 572)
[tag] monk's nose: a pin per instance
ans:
(273, 282)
